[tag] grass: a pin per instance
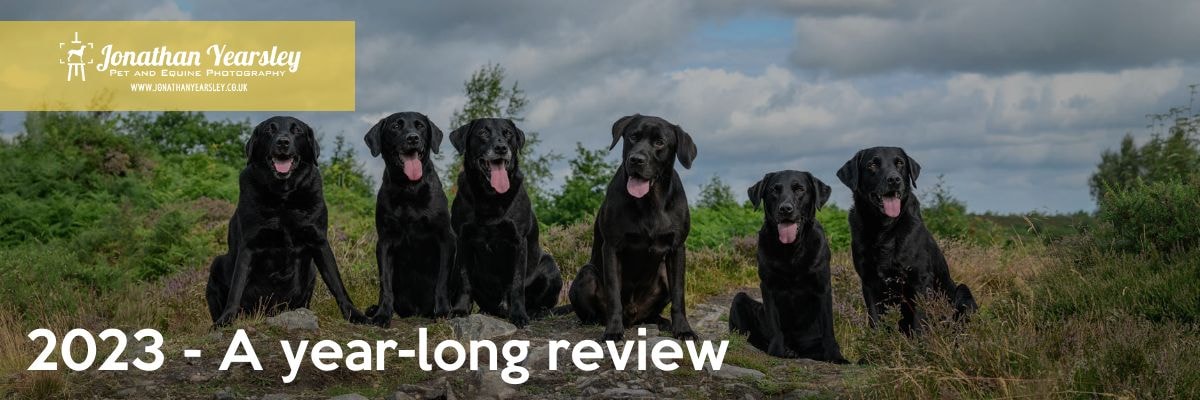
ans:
(101, 232)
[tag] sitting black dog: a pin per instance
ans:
(503, 266)
(638, 253)
(415, 251)
(793, 270)
(278, 230)
(894, 254)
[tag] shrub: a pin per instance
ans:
(1158, 216)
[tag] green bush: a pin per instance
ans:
(717, 227)
(1158, 216)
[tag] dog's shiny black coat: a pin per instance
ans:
(795, 319)
(415, 251)
(638, 255)
(503, 267)
(278, 231)
(895, 257)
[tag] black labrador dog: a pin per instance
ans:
(894, 254)
(278, 231)
(415, 251)
(500, 261)
(638, 254)
(796, 320)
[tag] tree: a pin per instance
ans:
(1172, 153)
(489, 97)
(716, 194)
(186, 132)
(343, 170)
(583, 192)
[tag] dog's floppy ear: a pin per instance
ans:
(372, 137)
(435, 135)
(250, 142)
(914, 169)
(849, 172)
(685, 148)
(822, 190)
(619, 128)
(518, 135)
(458, 137)
(311, 137)
(755, 192)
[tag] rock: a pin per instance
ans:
(539, 359)
(490, 385)
(479, 327)
(298, 319)
(349, 396)
(224, 394)
(735, 372)
(276, 396)
(435, 389)
(619, 393)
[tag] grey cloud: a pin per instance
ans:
(998, 37)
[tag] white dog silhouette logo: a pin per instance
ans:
(75, 61)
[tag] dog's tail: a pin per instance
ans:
(964, 302)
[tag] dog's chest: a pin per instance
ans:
(653, 240)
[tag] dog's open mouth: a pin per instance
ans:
(283, 164)
(497, 173)
(412, 165)
(638, 187)
(787, 231)
(890, 202)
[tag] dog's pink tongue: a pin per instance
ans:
(283, 166)
(891, 206)
(787, 232)
(499, 178)
(637, 187)
(412, 168)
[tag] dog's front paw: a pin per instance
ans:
(615, 334)
(520, 319)
(687, 336)
(357, 317)
(224, 320)
(777, 349)
(381, 318)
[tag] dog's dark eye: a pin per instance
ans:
(873, 166)
(798, 188)
(659, 143)
(419, 125)
(899, 162)
(635, 137)
(483, 133)
(507, 134)
(395, 125)
(777, 188)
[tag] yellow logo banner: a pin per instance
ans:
(177, 65)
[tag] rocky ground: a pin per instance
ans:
(746, 373)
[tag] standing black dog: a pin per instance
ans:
(504, 268)
(894, 254)
(415, 251)
(793, 270)
(638, 254)
(278, 230)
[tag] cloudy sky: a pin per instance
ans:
(1012, 101)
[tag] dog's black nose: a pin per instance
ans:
(786, 208)
(501, 150)
(283, 142)
(412, 138)
(894, 180)
(637, 160)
